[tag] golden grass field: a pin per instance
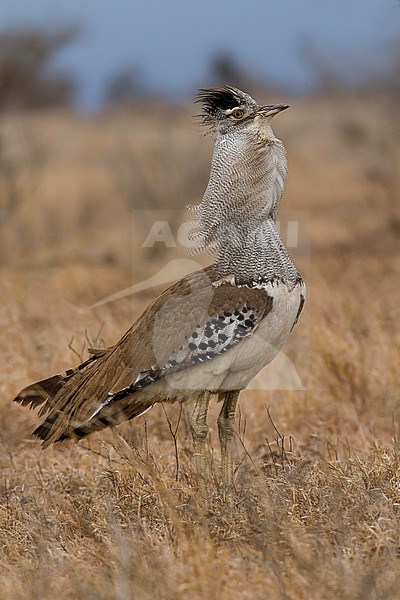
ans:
(117, 516)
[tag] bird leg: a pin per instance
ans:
(226, 430)
(199, 428)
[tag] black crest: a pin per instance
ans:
(217, 100)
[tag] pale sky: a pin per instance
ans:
(173, 40)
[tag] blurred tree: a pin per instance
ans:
(345, 77)
(328, 81)
(27, 78)
(125, 87)
(225, 69)
(385, 81)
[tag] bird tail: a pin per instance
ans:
(51, 429)
(43, 392)
(72, 401)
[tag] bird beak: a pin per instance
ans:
(269, 110)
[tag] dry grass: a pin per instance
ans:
(316, 513)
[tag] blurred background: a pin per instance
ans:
(95, 116)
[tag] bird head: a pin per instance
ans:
(228, 109)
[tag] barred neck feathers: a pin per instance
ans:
(235, 222)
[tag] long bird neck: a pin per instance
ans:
(235, 222)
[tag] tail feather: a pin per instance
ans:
(48, 393)
(44, 391)
(37, 393)
(49, 431)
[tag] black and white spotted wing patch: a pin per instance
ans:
(207, 341)
(214, 337)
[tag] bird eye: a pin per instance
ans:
(238, 113)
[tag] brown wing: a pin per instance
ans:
(169, 336)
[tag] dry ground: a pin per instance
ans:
(316, 514)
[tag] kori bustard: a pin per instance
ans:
(213, 331)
